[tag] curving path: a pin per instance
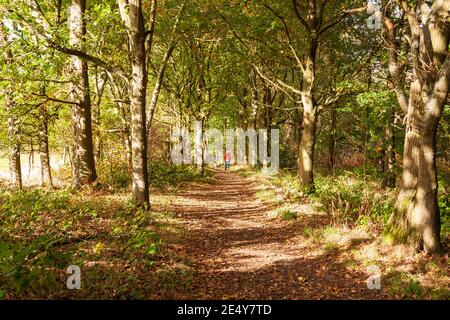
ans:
(239, 252)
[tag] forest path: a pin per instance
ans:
(239, 252)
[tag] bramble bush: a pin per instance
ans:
(161, 175)
(350, 199)
(29, 258)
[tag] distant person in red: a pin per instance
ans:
(227, 160)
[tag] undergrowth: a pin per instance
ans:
(117, 246)
(161, 175)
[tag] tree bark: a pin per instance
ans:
(389, 156)
(44, 154)
(254, 90)
(15, 171)
(84, 163)
(332, 142)
(307, 143)
(162, 68)
(124, 112)
(416, 219)
(305, 157)
(131, 13)
(100, 83)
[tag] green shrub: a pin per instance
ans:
(32, 200)
(163, 175)
(114, 174)
(350, 199)
(25, 265)
(285, 213)
(27, 258)
(404, 285)
(160, 174)
(444, 208)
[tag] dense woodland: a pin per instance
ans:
(91, 92)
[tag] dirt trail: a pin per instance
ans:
(239, 252)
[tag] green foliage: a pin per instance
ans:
(24, 265)
(147, 240)
(285, 213)
(312, 234)
(351, 199)
(32, 201)
(403, 285)
(288, 156)
(444, 208)
(161, 175)
(45, 232)
(288, 181)
(164, 175)
(25, 254)
(114, 174)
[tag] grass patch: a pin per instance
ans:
(312, 234)
(161, 175)
(330, 246)
(118, 247)
(285, 213)
(266, 195)
(403, 285)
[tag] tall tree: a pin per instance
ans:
(416, 219)
(315, 28)
(44, 154)
(15, 171)
(133, 19)
(163, 65)
(84, 163)
(304, 27)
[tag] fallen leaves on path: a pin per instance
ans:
(240, 252)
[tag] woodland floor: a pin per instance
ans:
(226, 237)
(239, 251)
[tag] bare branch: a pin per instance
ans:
(278, 84)
(339, 17)
(286, 30)
(299, 17)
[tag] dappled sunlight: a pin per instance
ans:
(250, 258)
(266, 237)
(245, 245)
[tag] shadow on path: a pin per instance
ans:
(239, 252)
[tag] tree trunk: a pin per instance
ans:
(416, 218)
(427, 188)
(65, 154)
(332, 142)
(100, 83)
(80, 94)
(124, 112)
(46, 176)
(389, 157)
(131, 13)
(15, 171)
(254, 106)
(305, 157)
(307, 142)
